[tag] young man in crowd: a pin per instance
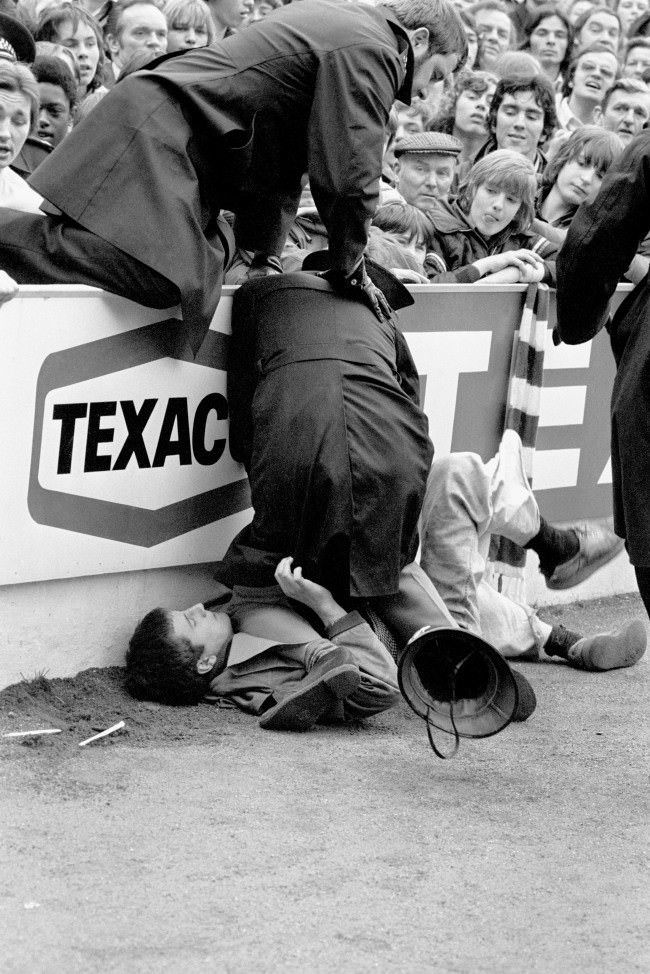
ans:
(58, 96)
(625, 108)
(135, 198)
(521, 118)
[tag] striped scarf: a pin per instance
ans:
(507, 560)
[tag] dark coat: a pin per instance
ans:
(601, 242)
(236, 127)
(455, 244)
(337, 451)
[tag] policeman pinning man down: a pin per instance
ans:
(134, 194)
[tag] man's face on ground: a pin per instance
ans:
(210, 633)
(626, 114)
(423, 177)
(142, 27)
(494, 31)
(519, 123)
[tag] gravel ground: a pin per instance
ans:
(193, 840)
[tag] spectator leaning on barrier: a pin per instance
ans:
(408, 225)
(58, 97)
(487, 231)
(574, 175)
(625, 108)
(521, 118)
(139, 192)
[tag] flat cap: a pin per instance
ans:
(436, 143)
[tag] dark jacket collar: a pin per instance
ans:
(405, 51)
(448, 217)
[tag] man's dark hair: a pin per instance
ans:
(53, 18)
(161, 666)
(542, 91)
(475, 81)
(545, 13)
(594, 145)
(635, 42)
(596, 48)
(631, 86)
(53, 71)
(600, 8)
(441, 19)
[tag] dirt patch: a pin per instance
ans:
(94, 700)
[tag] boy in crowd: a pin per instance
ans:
(521, 118)
(58, 96)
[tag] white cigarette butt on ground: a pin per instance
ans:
(105, 733)
(33, 733)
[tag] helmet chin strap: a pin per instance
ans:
(438, 753)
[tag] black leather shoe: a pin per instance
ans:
(333, 678)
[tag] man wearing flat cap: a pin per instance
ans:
(136, 190)
(425, 167)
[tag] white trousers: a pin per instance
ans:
(466, 502)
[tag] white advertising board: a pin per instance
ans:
(115, 448)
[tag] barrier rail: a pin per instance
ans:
(118, 489)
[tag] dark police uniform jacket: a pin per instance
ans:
(236, 126)
(325, 417)
(601, 242)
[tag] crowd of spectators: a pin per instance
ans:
(547, 100)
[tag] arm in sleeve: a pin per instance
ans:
(601, 242)
(241, 378)
(354, 92)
